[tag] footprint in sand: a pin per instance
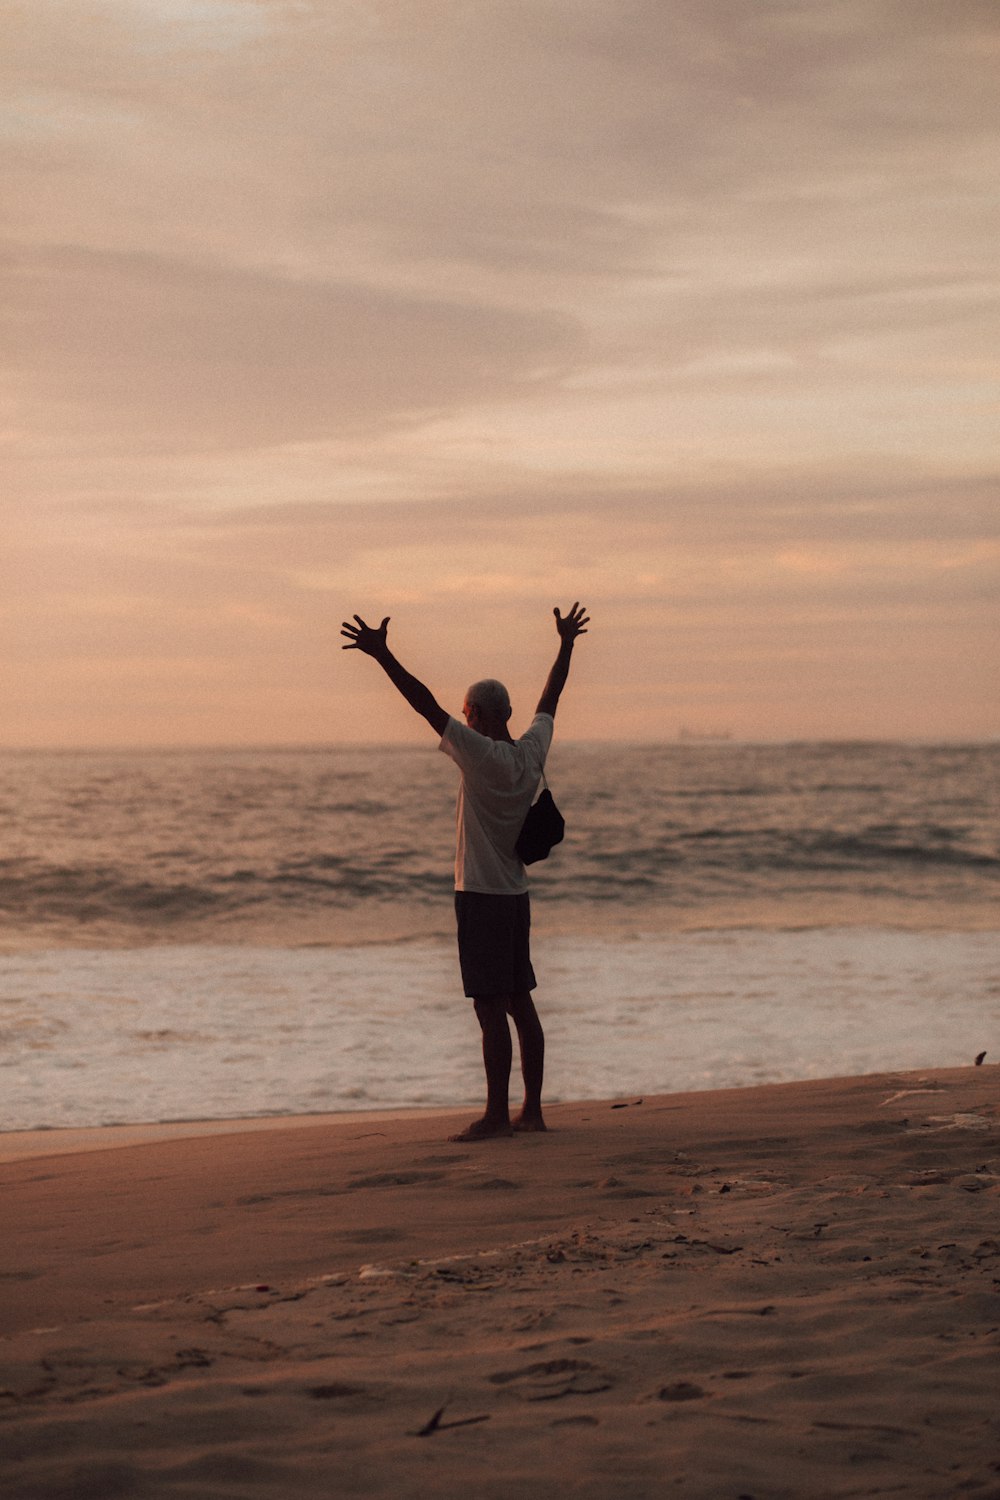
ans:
(377, 1235)
(551, 1379)
(396, 1179)
(615, 1187)
(193, 1359)
(682, 1390)
(335, 1392)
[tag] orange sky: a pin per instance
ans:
(453, 312)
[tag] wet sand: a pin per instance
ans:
(788, 1291)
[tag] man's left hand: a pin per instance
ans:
(362, 637)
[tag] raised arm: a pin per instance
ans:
(362, 637)
(575, 623)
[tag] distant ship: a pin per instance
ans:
(703, 734)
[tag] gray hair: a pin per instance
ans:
(490, 697)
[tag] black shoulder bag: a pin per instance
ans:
(541, 830)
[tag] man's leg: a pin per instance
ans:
(531, 1038)
(491, 1012)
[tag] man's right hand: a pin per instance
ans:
(569, 627)
(362, 637)
(573, 624)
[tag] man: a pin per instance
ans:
(500, 776)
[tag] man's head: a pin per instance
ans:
(487, 708)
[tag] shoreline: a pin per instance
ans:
(73, 1140)
(781, 1290)
(168, 1035)
(20, 1144)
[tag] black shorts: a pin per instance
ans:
(493, 943)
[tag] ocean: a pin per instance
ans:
(220, 934)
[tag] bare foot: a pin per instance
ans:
(528, 1123)
(483, 1130)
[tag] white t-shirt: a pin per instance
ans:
(499, 781)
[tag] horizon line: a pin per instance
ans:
(687, 742)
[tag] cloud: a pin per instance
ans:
(713, 191)
(565, 137)
(234, 358)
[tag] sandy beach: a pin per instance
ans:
(788, 1291)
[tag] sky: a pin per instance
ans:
(457, 310)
